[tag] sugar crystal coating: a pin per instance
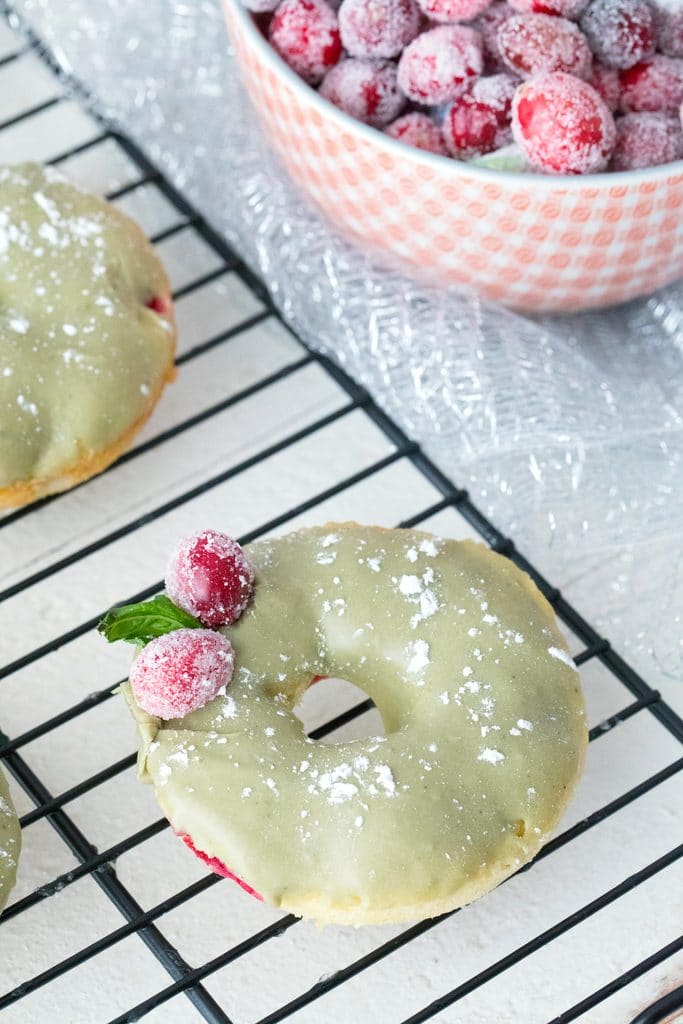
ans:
(306, 35)
(606, 82)
(378, 28)
(437, 66)
(535, 43)
(180, 672)
(418, 130)
(561, 8)
(479, 121)
(668, 16)
(655, 85)
(562, 125)
(620, 32)
(646, 140)
(487, 24)
(453, 10)
(367, 90)
(209, 576)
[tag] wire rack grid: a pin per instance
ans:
(240, 367)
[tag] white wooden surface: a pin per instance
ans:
(534, 991)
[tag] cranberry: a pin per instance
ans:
(180, 672)
(620, 32)
(418, 130)
(669, 26)
(606, 82)
(453, 10)
(655, 85)
(210, 577)
(488, 24)
(532, 44)
(437, 66)
(378, 28)
(562, 125)
(306, 35)
(218, 867)
(645, 140)
(365, 89)
(479, 121)
(561, 8)
(159, 304)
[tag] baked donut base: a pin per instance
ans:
(27, 491)
(315, 907)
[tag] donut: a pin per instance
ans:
(87, 336)
(10, 842)
(481, 703)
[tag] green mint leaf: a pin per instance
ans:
(140, 623)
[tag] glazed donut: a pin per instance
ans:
(87, 336)
(481, 703)
(10, 842)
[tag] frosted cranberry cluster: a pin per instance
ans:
(578, 85)
(210, 577)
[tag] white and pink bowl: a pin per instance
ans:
(529, 241)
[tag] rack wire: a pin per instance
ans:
(100, 865)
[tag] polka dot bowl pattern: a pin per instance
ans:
(532, 242)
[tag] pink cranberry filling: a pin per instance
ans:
(218, 867)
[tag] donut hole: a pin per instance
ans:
(329, 697)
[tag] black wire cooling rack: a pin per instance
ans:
(100, 865)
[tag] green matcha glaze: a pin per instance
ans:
(484, 717)
(10, 842)
(82, 359)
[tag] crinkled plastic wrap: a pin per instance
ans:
(568, 431)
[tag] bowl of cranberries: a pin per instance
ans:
(531, 150)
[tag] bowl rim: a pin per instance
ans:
(555, 183)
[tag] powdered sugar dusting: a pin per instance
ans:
(491, 756)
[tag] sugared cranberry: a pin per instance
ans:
(365, 89)
(646, 140)
(560, 8)
(669, 26)
(453, 10)
(378, 28)
(533, 44)
(437, 66)
(418, 130)
(306, 35)
(656, 85)
(487, 24)
(210, 577)
(562, 125)
(621, 33)
(180, 672)
(479, 121)
(606, 82)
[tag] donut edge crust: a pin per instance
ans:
(26, 491)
